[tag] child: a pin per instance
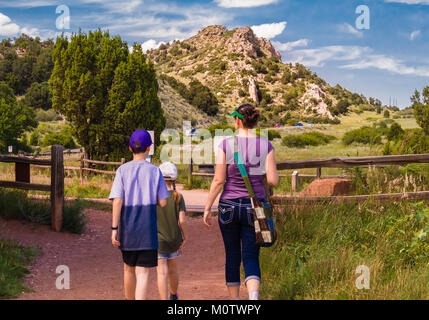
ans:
(171, 235)
(136, 191)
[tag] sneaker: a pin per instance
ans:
(174, 297)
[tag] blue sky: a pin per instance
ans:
(388, 60)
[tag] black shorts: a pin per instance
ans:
(141, 258)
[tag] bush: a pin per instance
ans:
(38, 96)
(46, 116)
(341, 107)
(223, 127)
(395, 132)
(386, 114)
(365, 135)
(414, 141)
(15, 204)
(306, 139)
(272, 134)
(201, 97)
(63, 138)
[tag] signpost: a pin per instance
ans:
(152, 147)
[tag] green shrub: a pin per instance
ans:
(365, 135)
(48, 115)
(15, 204)
(386, 114)
(414, 141)
(201, 97)
(63, 138)
(313, 138)
(186, 73)
(395, 132)
(223, 127)
(272, 134)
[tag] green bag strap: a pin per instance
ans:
(242, 168)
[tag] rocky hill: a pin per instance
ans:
(237, 67)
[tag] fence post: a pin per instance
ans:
(57, 187)
(190, 169)
(122, 160)
(81, 167)
(319, 173)
(295, 181)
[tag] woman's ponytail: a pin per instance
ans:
(176, 195)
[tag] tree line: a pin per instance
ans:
(102, 88)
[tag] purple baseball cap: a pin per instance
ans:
(140, 139)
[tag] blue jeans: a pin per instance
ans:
(238, 233)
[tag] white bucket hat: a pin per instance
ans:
(169, 170)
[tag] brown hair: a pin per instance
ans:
(176, 195)
(137, 151)
(250, 115)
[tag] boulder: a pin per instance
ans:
(327, 188)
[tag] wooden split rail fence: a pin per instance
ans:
(56, 188)
(87, 165)
(335, 162)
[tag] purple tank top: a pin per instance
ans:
(254, 151)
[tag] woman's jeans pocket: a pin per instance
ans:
(226, 214)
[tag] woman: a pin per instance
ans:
(235, 214)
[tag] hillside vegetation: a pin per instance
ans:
(237, 67)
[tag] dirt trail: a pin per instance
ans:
(96, 267)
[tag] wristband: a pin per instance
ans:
(114, 228)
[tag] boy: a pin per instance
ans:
(136, 191)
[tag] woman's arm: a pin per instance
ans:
(271, 169)
(216, 186)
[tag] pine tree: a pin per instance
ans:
(133, 102)
(104, 91)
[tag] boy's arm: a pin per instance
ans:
(116, 214)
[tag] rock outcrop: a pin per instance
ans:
(253, 91)
(327, 188)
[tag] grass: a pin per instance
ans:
(13, 261)
(15, 204)
(319, 249)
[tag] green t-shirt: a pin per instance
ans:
(169, 233)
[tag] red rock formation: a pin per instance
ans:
(327, 188)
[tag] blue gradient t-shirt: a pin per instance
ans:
(140, 185)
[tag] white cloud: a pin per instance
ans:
(409, 1)
(288, 46)
(356, 58)
(269, 30)
(347, 28)
(154, 22)
(244, 3)
(318, 57)
(415, 34)
(7, 27)
(150, 44)
(32, 32)
(27, 4)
